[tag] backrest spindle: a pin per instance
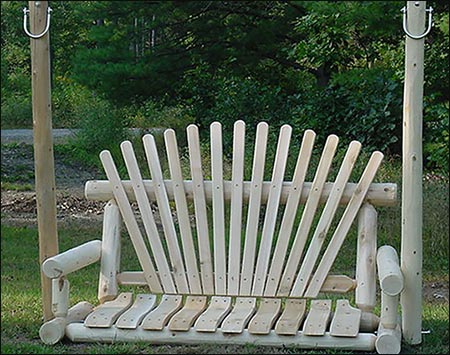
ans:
(236, 199)
(308, 215)
(271, 210)
(251, 231)
(218, 207)
(182, 211)
(200, 210)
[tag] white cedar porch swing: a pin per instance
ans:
(275, 312)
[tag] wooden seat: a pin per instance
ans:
(251, 260)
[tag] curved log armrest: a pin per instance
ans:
(72, 259)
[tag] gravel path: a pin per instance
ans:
(60, 135)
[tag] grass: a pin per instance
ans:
(20, 287)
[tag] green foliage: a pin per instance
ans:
(15, 53)
(336, 67)
(101, 127)
(357, 104)
(16, 111)
(158, 117)
(436, 142)
(148, 48)
(337, 36)
(70, 101)
(244, 99)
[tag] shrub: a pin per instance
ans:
(17, 111)
(358, 104)
(248, 100)
(435, 148)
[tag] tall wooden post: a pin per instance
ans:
(411, 243)
(43, 145)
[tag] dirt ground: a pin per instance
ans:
(19, 207)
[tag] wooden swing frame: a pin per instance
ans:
(411, 239)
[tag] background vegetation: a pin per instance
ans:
(335, 67)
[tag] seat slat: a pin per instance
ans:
(344, 225)
(147, 217)
(107, 313)
(130, 222)
(200, 210)
(218, 206)
(170, 233)
(210, 320)
(237, 320)
(273, 203)
(325, 219)
(237, 186)
(265, 317)
(290, 212)
(183, 320)
(158, 318)
(346, 320)
(254, 206)
(131, 319)
(182, 211)
(291, 318)
(318, 318)
(307, 216)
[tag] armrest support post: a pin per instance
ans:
(60, 297)
(365, 294)
(389, 334)
(110, 262)
(389, 273)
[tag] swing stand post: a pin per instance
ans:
(43, 140)
(412, 199)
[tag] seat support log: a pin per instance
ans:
(53, 331)
(79, 333)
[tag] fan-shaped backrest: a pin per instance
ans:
(248, 238)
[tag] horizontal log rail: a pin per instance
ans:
(379, 194)
(332, 284)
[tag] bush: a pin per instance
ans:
(358, 104)
(154, 117)
(248, 100)
(68, 99)
(436, 135)
(17, 111)
(99, 124)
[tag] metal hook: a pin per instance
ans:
(47, 26)
(430, 23)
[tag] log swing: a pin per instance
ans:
(203, 289)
